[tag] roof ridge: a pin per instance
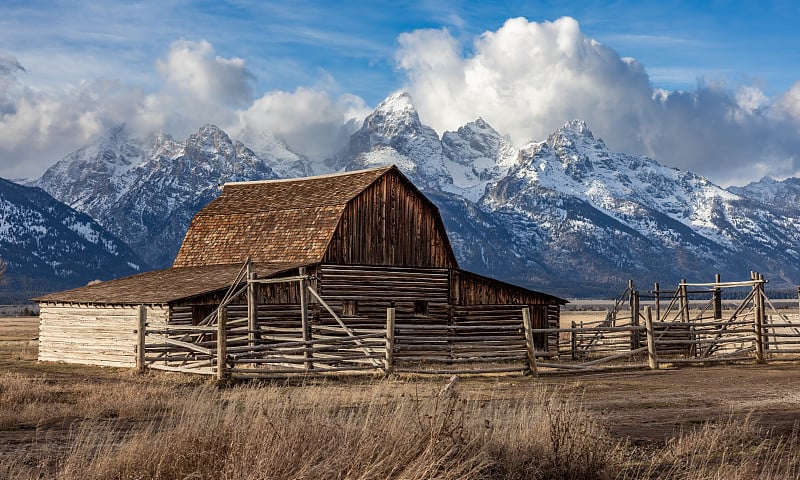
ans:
(385, 168)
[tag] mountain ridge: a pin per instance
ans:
(564, 214)
(48, 245)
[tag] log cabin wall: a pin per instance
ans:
(390, 223)
(477, 298)
(363, 293)
(93, 334)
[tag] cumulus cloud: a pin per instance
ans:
(193, 69)
(197, 86)
(527, 78)
(308, 120)
(37, 126)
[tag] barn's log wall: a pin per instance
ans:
(473, 289)
(390, 223)
(93, 334)
(363, 293)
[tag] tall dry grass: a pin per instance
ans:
(157, 428)
(733, 450)
(382, 431)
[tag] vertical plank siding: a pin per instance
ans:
(91, 334)
(390, 223)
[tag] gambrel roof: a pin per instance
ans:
(290, 220)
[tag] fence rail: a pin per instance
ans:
(680, 326)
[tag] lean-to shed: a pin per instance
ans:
(365, 240)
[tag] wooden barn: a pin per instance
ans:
(335, 272)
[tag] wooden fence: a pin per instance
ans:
(231, 342)
(643, 329)
(680, 326)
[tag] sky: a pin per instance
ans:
(712, 87)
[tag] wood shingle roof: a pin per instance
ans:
(161, 286)
(287, 220)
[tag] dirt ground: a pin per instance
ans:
(646, 407)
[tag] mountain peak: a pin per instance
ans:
(209, 129)
(575, 127)
(398, 102)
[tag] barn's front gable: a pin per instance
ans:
(390, 223)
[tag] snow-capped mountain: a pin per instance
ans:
(49, 246)
(277, 155)
(146, 191)
(564, 215)
(394, 134)
(568, 215)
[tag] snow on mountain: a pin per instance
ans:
(783, 195)
(394, 130)
(49, 246)
(476, 155)
(567, 213)
(146, 191)
(564, 215)
(277, 155)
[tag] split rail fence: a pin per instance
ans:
(643, 329)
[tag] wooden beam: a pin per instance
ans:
(390, 320)
(222, 344)
(252, 307)
(140, 334)
(304, 317)
(652, 357)
(528, 326)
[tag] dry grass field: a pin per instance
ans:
(74, 422)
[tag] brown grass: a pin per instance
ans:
(734, 449)
(73, 422)
(372, 432)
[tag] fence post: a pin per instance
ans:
(222, 344)
(657, 297)
(573, 341)
(304, 320)
(717, 298)
(252, 308)
(758, 286)
(652, 357)
(140, 334)
(389, 360)
(798, 299)
(526, 323)
(683, 297)
(635, 334)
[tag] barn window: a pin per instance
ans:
(349, 308)
(421, 308)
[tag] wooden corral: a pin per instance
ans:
(329, 258)
(686, 325)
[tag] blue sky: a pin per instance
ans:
(70, 69)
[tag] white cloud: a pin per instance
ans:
(790, 102)
(40, 126)
(528, 78)
(197, 86)
(192, 69)
(309, 120)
